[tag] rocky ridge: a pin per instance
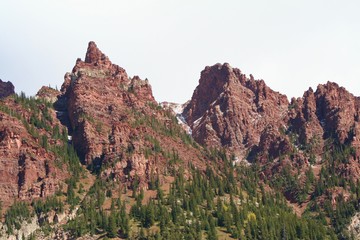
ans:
(121, 132)
(258, 125)
(115, 118)
(230, 110)
(28, 170)
(6, 89)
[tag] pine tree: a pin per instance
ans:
(92, 217)
(124, 221)
(111, 227)
(149, 215)
(212, 233)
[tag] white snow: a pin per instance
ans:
(196, 122)
(178, 109)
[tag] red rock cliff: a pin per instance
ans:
(230, 110)
(115, 120)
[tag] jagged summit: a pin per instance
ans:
(96, 66)
(251, 141)
(114, 119)
(228, 109)
(95, 56)
(244, 115)
(212, 83)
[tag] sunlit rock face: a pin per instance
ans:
(230, 110)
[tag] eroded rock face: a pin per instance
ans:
(304, 121)
(115, 120)
(329, 113)
(337, 110)
(95, 91)
(247, 118)
(230, 110)
(6, 89)
(27, 170)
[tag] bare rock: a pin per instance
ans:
(229, 110)
(48, 94)
(114, 119)
(27, 170)
(6, 89)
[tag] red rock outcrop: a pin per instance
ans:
(244, 115)
(337, 110)
(96, 91)
(303, 120)
(272, 145)
(27, 170)
(6, 89)
(116, 122)
(330, 112)
(230, 110)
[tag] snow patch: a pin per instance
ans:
(178, 109)
(196, 122)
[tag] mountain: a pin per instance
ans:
(101, 158)
(116, 124)
(251, 121)
(308, 148)
(229, 110)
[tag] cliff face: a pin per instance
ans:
(230, 110)
(338, 110)
(115, 120)
(331, 112)
(27, 168)
(308, 149)
(6, 89)
(96, 91)
(247, 118)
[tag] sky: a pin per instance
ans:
(292, 45)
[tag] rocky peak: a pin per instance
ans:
(303, 120)
(6, 89)
(114, 119)
(213, 81)
(336, 110)
(228, 109)
(95, 56)
(97, 65)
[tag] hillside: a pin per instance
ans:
(102, 159)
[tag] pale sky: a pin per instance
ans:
(292, 45)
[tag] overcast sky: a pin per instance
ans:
(292, 45)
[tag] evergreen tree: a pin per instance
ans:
(112, 228)
(211, 232)
(149, 218)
